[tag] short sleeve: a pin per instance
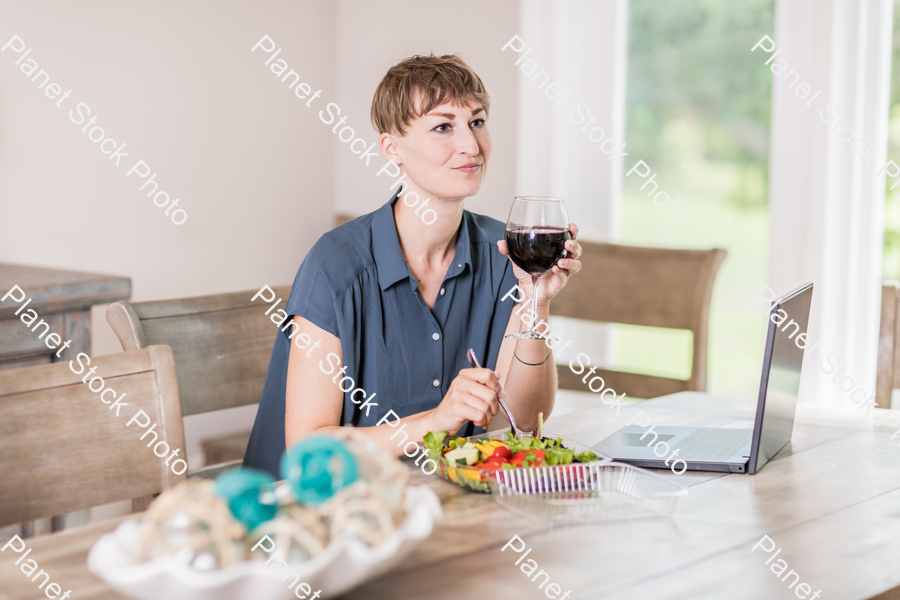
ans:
(313, 293)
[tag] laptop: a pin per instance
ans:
(734, 450)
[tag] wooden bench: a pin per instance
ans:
(222, 344)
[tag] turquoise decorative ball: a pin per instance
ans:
(317, 467)
(242, 489)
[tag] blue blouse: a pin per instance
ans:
(355, 284)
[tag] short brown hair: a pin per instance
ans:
(437, 78)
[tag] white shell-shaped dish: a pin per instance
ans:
(344, 564)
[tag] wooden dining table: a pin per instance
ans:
(829, 500)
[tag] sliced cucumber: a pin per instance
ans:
(462, 456)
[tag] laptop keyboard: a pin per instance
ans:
(708, 443)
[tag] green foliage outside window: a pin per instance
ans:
(891, 264)
(697, 97)
(697, 111)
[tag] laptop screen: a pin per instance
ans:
(780, 382)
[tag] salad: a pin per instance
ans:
(462, 460)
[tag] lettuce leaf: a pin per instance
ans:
(434, 443)
(586, 457)
(559, 456)
(556, 452)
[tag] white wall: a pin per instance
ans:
(373, 36)
(178, 84)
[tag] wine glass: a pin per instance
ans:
(536, 234)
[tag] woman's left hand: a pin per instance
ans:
(554, 280)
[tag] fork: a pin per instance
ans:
(473, 360)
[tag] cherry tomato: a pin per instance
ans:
(494, 463)
(502, 452)
(537, 457)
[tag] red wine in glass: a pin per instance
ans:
(537, 249)
(536, 233)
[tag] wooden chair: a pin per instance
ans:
(222, 344)
(62, 449)
(656, 287)
(340, 219)
(888, 363)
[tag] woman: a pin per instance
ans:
(384, 308)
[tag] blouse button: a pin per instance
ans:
(436, 383)
(442, 291)
(435, 336)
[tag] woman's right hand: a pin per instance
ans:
(472, 397)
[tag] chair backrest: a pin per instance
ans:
(341, 218)
(62, 449)
(656, 287)
(888, 364)
(221, 343)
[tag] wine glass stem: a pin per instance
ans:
(535, 284)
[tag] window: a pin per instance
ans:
(697, 112)
(891, 256)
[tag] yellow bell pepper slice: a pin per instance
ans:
(474, 474)
(486, 449)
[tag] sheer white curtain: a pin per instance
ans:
(825, 201)
(581, 45)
